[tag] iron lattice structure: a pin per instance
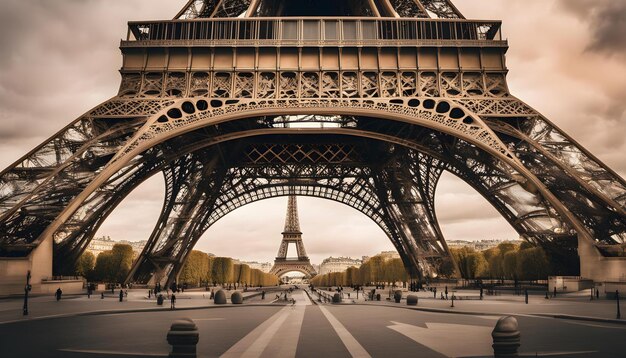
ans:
(361, 102)
(292, 235)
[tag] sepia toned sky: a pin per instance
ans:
(58, 59)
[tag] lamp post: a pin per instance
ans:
(27, 289)
(619, 314)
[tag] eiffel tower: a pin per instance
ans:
(363, 102)
(292, 235)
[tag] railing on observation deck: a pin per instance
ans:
(307, 31)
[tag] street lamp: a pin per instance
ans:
(27, 289)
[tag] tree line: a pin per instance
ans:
(200, 269)
(507, 261)
(374, 271)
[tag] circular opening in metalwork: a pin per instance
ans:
(202, 105)
(414, 102)
(216, 103)
(188, 107)
(174, 113)
(163, 119)
(443, 107)
(457, 113)
(468, 120)
(429, 104)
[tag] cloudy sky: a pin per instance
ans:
(60, 58)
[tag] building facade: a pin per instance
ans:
(338, 264)
(105, 243)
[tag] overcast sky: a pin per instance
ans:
(60, 58)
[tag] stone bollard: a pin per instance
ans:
(236, 298)
(220, 297)
(506, 337)
(336, 298)
(183, 337)
(411, 300)
(397, 296)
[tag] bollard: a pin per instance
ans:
(411, 300)
(506, 337)
(236, 298)
(397, 296)
(220, 297)
(336, 298)
(183, 337)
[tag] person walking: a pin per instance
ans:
(262, 295)
(58, 294)
(121, 295)
(446, 292)
(173, 301)
(435, 292)
(554, 292)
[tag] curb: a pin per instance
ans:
(545, 315)
(135, 310)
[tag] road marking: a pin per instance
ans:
(113, 353)
(354, 347)
(595, 325)
(208, 319)
(451, 340)
(264, 340)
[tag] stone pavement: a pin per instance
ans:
(137, 299)
(576, 305)
(565, 305)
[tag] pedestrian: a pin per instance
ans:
(212, 294)
(112, 289)
(101, 295)
(481, 293)
(125, 293)
(58, 294)
(173, 301)
(121, 295)
(554, 292)
(526, 295)
(262, 295)
(446, 292)
(435, 292)
(149, 293)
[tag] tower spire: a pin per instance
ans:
(292, 223)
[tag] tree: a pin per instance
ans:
(222, 270)
(510, 264)
(533, 264)
(196, 268)
(377, 268)
(395, 271)
(85, 265)
(352, 276)
(104, 269)
(122, 260)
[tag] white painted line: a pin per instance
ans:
(113, 353)
(208, 319)
(354, 347)
(451, 340)
(285, 341)
(253, 344)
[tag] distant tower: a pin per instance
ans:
(292, 235)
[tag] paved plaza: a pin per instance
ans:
(81, 327)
